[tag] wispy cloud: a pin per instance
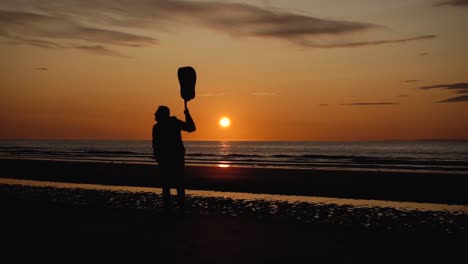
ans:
(101, 50)
(96, 49)
(408, 81)
(365, 43)
(41, 69)
(34, 42)
(377, 103)
(19, 24)
(51, 24)
(459, 88)
(323, 104)
(403, 95)
(46, 31)
(459, 3)
(424, 54)
(463, 98)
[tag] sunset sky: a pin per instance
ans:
(318, 70)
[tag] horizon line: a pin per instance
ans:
(244, 140)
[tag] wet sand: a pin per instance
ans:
(76, 223)
(73, 225)
(396, 186)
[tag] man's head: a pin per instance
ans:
(162, 113)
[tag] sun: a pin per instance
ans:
(224, 122)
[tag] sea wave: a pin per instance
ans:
(259, 154)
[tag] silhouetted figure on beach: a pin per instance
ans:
(169, 152)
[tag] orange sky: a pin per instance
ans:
(281, 70)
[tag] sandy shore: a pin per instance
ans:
(396, 186)
(74, 225)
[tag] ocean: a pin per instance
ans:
(416, 156)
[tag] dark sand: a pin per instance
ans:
(41, 229)
(76, 225)
(396, 186)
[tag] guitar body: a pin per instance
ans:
(187, 79)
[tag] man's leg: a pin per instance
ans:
(181, 197)
(180, 185)
(165, 183)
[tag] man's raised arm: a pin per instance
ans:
(189, 125)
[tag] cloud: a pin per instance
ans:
(38, 30)
(408, 81)
(96, 49)
(365, 43)
(459, 88)
(15, 25)
(459, 3)
(101, 50)
(323, 104)
(403, 95)
(423, 54)
(35, 42)
(41, 69)
(463, 98)
(362, 104)
(48, 23)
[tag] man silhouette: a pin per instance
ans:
(169, 152)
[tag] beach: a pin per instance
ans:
(447, 188)
(57, 217)
(45, 224)
(289, 131)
